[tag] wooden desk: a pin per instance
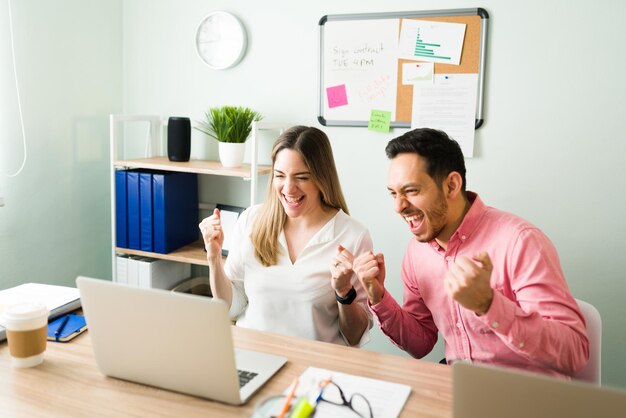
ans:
(68, 383)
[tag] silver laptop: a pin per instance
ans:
(490, 392)
(170, 340)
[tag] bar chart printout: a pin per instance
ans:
(424, 40)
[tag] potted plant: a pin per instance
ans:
(230, 126)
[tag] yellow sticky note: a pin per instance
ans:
(380, 120)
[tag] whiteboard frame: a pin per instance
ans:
(399, 15)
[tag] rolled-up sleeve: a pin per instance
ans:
(544, 324)
(235, 267)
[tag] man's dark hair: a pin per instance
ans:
(442, 153)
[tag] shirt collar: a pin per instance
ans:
(472, 217)
(470, 220)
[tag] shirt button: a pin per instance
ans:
(521, 345)
(459, 325)
(463, 237)
(495, 324)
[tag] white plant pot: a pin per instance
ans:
(231, 154)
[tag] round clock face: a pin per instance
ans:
(221, 40)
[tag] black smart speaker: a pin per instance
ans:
(178, 138)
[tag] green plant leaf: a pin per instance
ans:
(228, 123)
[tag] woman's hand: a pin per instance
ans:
(353, 319)
(213, 235)
(341, 270)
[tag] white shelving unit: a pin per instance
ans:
(156, 148)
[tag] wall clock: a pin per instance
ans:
(221, 40)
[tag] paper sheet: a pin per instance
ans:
(425, 40)
(448, 105)
(386, 398)
(414, 73)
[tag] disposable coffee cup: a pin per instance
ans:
(26, 325)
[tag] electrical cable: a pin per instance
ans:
(17, 89)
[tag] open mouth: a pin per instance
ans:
(293, 201)
(415, 221)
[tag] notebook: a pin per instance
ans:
(171, 340)
(58, 299)
(490, 392)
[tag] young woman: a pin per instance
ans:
(287, 271)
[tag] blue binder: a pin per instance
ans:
(145, 211)
(121, 210)
(175, 210)
(134, 215)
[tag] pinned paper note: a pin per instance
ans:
(431, 41)
(418, 73)
(457, 94)
(337, 96)
(380, 121)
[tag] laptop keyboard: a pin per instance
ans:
(245, 377)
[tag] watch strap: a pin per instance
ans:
(348, 298)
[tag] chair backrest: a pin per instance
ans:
(592, 371)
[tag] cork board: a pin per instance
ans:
(361, 39)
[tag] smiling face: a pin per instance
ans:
(418, 199)
(294, 184)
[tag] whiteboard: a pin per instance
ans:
(360, 64)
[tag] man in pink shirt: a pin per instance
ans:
(489, 281)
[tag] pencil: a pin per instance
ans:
(287, 403)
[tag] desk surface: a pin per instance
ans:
(68, 383)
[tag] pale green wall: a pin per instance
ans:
(553, 147)
(56, 221)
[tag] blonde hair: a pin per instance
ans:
(314, 148)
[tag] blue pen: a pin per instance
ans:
(59, 330)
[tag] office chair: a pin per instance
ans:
(591, 372)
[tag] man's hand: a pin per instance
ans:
(468, 282)
(370, 269)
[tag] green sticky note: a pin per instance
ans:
(379, 121)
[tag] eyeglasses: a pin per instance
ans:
(328, 395)
(333, 394)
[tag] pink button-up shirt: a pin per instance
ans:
(533, 322)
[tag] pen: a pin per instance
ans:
(287, 403)
(59, 330)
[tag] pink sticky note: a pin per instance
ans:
(337, 96)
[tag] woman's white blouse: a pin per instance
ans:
(294, 298)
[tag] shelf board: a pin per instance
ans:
(193, 253)
(192, 166)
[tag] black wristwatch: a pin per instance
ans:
(348, 298)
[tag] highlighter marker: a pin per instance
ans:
(303, 409)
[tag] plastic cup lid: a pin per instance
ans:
(24, 311)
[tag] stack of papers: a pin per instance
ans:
(58, 299)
